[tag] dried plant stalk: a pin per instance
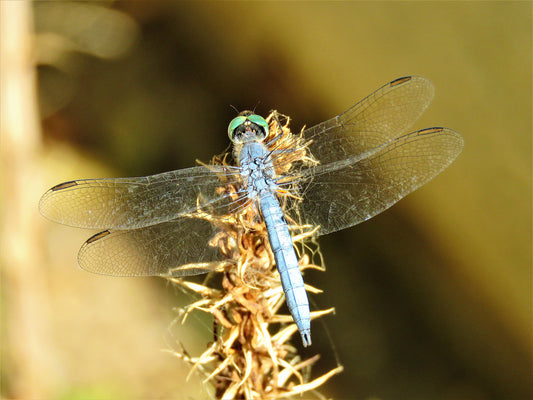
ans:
(252, 357)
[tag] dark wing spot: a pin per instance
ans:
(399, 81)
(429, 131)
(64, 185)
(98, 236)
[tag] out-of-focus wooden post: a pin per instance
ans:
(27, 355)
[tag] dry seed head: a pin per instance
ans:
(251, 357)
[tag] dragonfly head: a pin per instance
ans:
(247, 127)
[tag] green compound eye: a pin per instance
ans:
(257, 119)
(234, 124)
(238, 125)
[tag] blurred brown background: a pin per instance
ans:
(433, 297)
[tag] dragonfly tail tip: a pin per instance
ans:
(306, 339)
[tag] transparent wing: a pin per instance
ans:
(129, 203)
(152, 250)
(382, 116)
(344, 193)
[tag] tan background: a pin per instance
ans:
(433, 297)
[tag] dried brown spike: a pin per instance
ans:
(251, 357)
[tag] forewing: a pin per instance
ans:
(152, 250)
(129, 203)
(339, 195)
(379, 118)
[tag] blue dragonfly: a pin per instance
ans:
(359, 163)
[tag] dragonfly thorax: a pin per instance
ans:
(256, 169)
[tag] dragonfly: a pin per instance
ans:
(364, 162)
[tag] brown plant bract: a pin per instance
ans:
(252, 357)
